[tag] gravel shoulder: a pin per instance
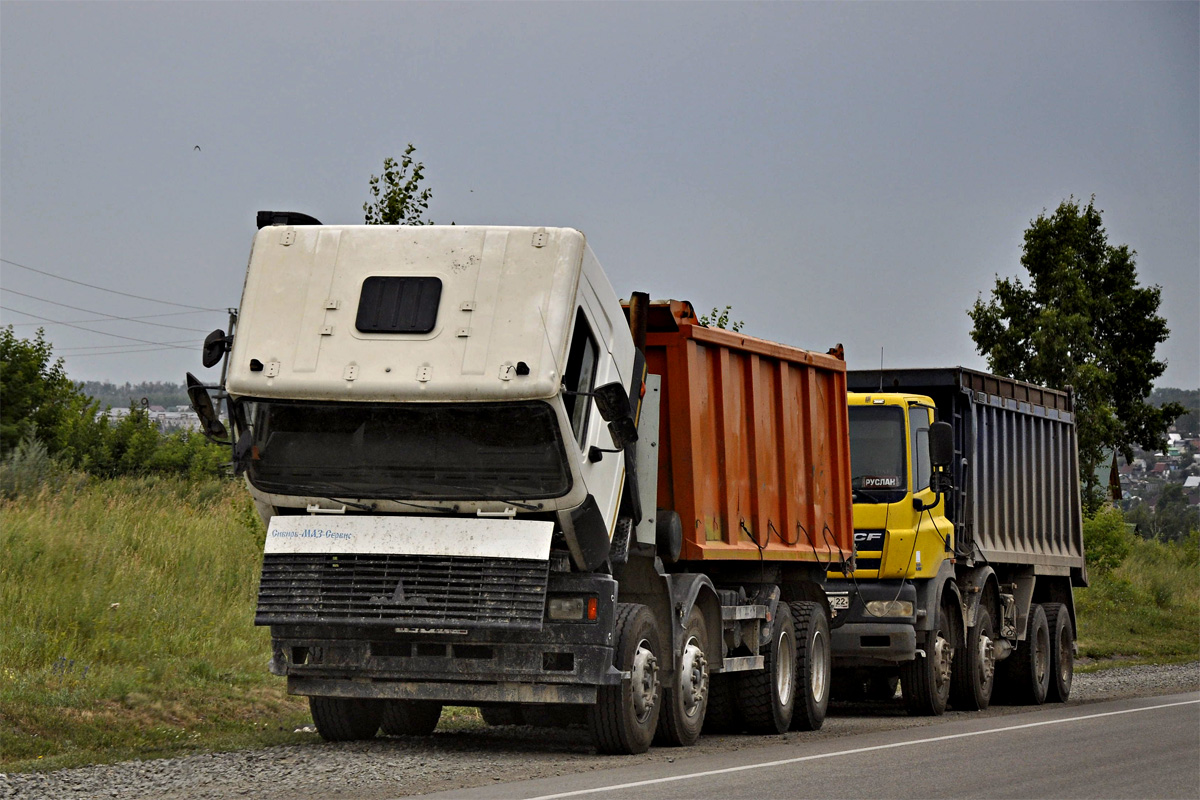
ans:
(397, 767)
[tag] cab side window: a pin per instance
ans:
(580, 375)
(918, 424)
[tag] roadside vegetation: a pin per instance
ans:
(129, 624)
(128, 608)
(1143, 602)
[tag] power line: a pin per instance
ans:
(108, 317)
(128, 348)
(92, 330)
(110, 291)
(118, 352)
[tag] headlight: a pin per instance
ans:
(572, 608)
(890, 608)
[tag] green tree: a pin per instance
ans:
(36, 396)
(1082, 322)
(720, 319)
(1174, 519)
(1106, 540)
(396, 196)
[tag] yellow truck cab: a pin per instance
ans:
(889, 451)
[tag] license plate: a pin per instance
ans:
(839, 602)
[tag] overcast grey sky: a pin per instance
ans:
(851, 173)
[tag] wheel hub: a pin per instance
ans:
(1041, 656)
(819, 664)
(693, 678)
(943, 654)
(987, 659)
(644, 682)
(785, 669)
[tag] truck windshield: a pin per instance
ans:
(435, 451)
(877, 454)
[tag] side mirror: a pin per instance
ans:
(202, 404)
(216, 344)
(612, 402)
(623, 431)
(243, 451)
(941, 444)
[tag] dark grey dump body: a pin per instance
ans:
(1016, 471)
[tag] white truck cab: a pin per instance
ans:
(369, 363)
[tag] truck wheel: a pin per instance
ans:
(813, 660)
(974, 667)
(722, 715)
(625, 716)
(505, 714)
(1025, 674)
(1062, 652)
(409, 717)
(768, 696)
(686, 698)
(926, 679)
(345, 719)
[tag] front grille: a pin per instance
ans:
(404, 590)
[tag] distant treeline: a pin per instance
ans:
(1189, 424)
(121, 396)
(161, 393)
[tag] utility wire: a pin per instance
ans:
(110, 291)
(128, 348)
(106, 316)
(117, 352)
(91, 330)
(109, 319)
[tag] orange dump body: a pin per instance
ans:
(755, 448)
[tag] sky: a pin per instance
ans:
(846, 172)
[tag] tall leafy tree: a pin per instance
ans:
(36, 396)
(1083, 322)
(396, 196)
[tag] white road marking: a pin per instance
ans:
(855, 751)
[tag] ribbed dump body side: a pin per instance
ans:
(755, 452)
(1016, 472)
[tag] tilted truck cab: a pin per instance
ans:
(487, 482)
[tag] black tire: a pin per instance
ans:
(409, 717)
(925, 680)
(506, 714)
(345, 719)
(1025, 675)
(1062, 652)
(768, 696)
(814, 662)
(685, 699)
(625, 716)
(973, 672)
(723, 714)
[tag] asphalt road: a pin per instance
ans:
(1135, 748)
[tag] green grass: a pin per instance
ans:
(128, 609)
(1147, 610)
